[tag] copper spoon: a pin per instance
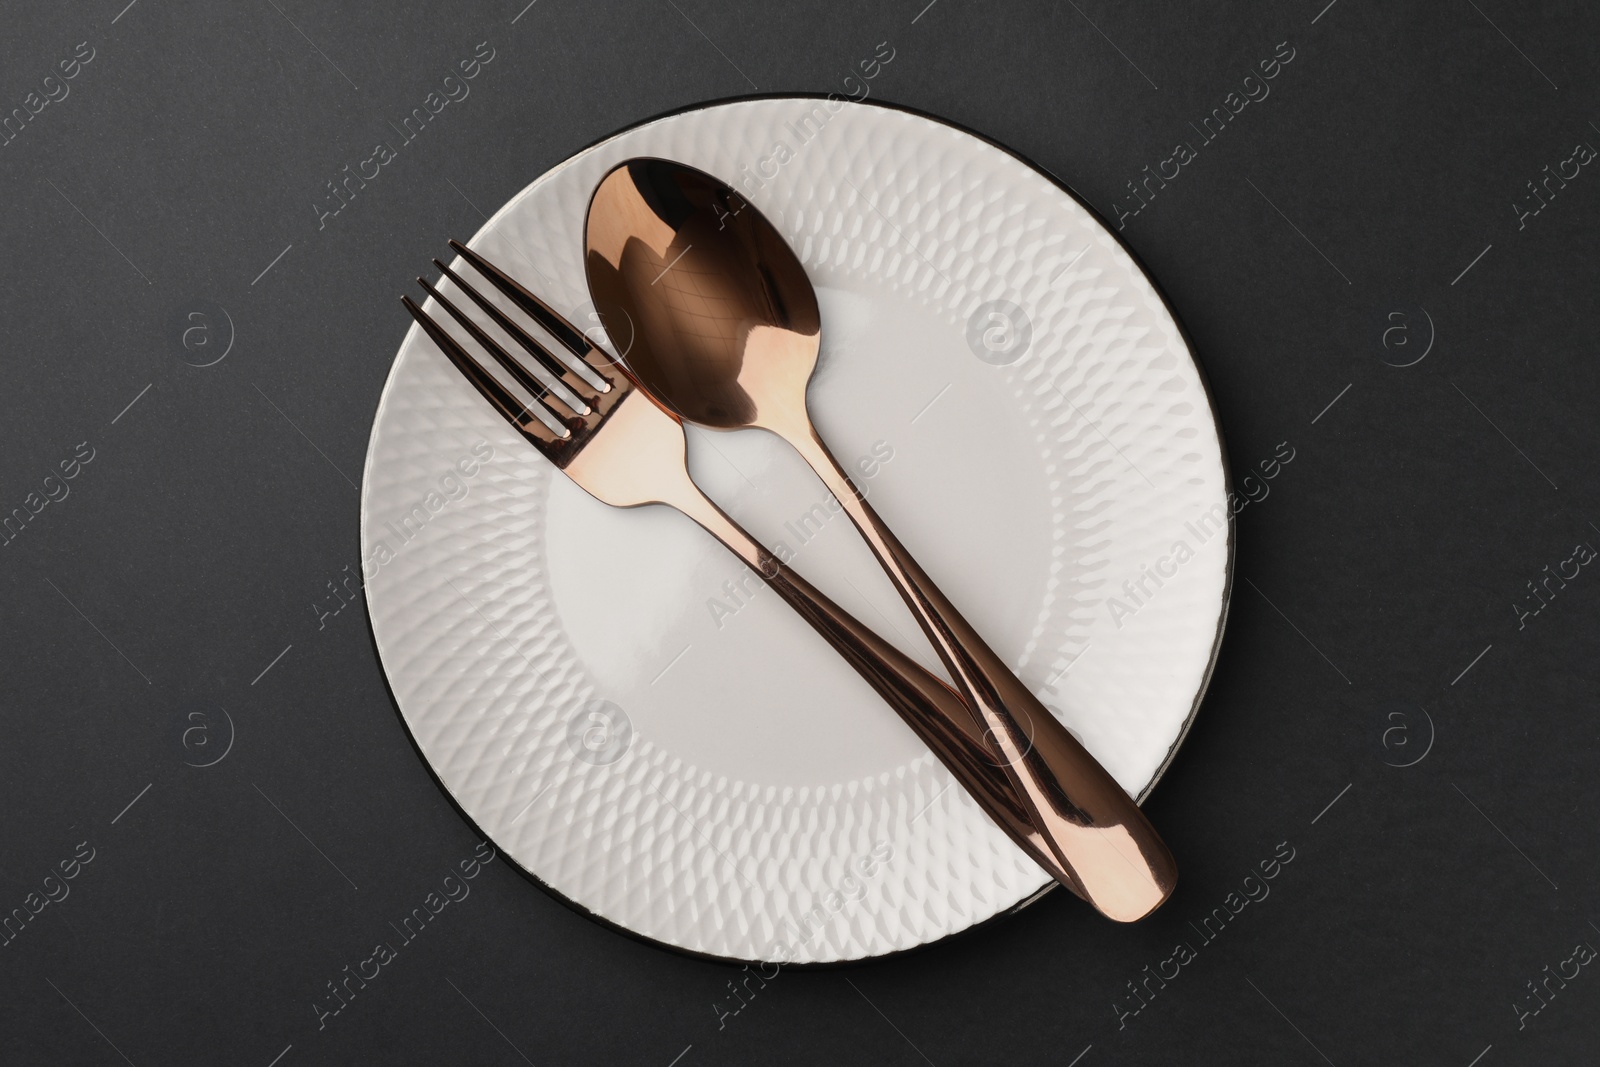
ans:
(726, 334)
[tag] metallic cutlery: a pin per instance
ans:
(626, 451)
(727, 333)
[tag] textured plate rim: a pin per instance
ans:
(1222, 612)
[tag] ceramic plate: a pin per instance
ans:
(654, 736)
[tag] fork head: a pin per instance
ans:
(612, 439)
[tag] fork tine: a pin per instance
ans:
(489, 387)
(546, 358)
(571, 338)
(515, 369)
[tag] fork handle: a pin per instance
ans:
(1111, 854)
(930, 707)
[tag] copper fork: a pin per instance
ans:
(626, 451)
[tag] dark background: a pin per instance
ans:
(1373, 621)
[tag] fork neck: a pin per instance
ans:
(716, 522)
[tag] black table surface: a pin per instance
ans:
(1385, 259)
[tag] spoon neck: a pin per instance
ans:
(802, 436)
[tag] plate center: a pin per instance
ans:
(671, 621)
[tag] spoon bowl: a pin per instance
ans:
(726, 327)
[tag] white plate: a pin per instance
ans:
(694, 764)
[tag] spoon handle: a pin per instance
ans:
(1112, 856)
(926, 704)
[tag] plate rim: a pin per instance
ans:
(1222, 614)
